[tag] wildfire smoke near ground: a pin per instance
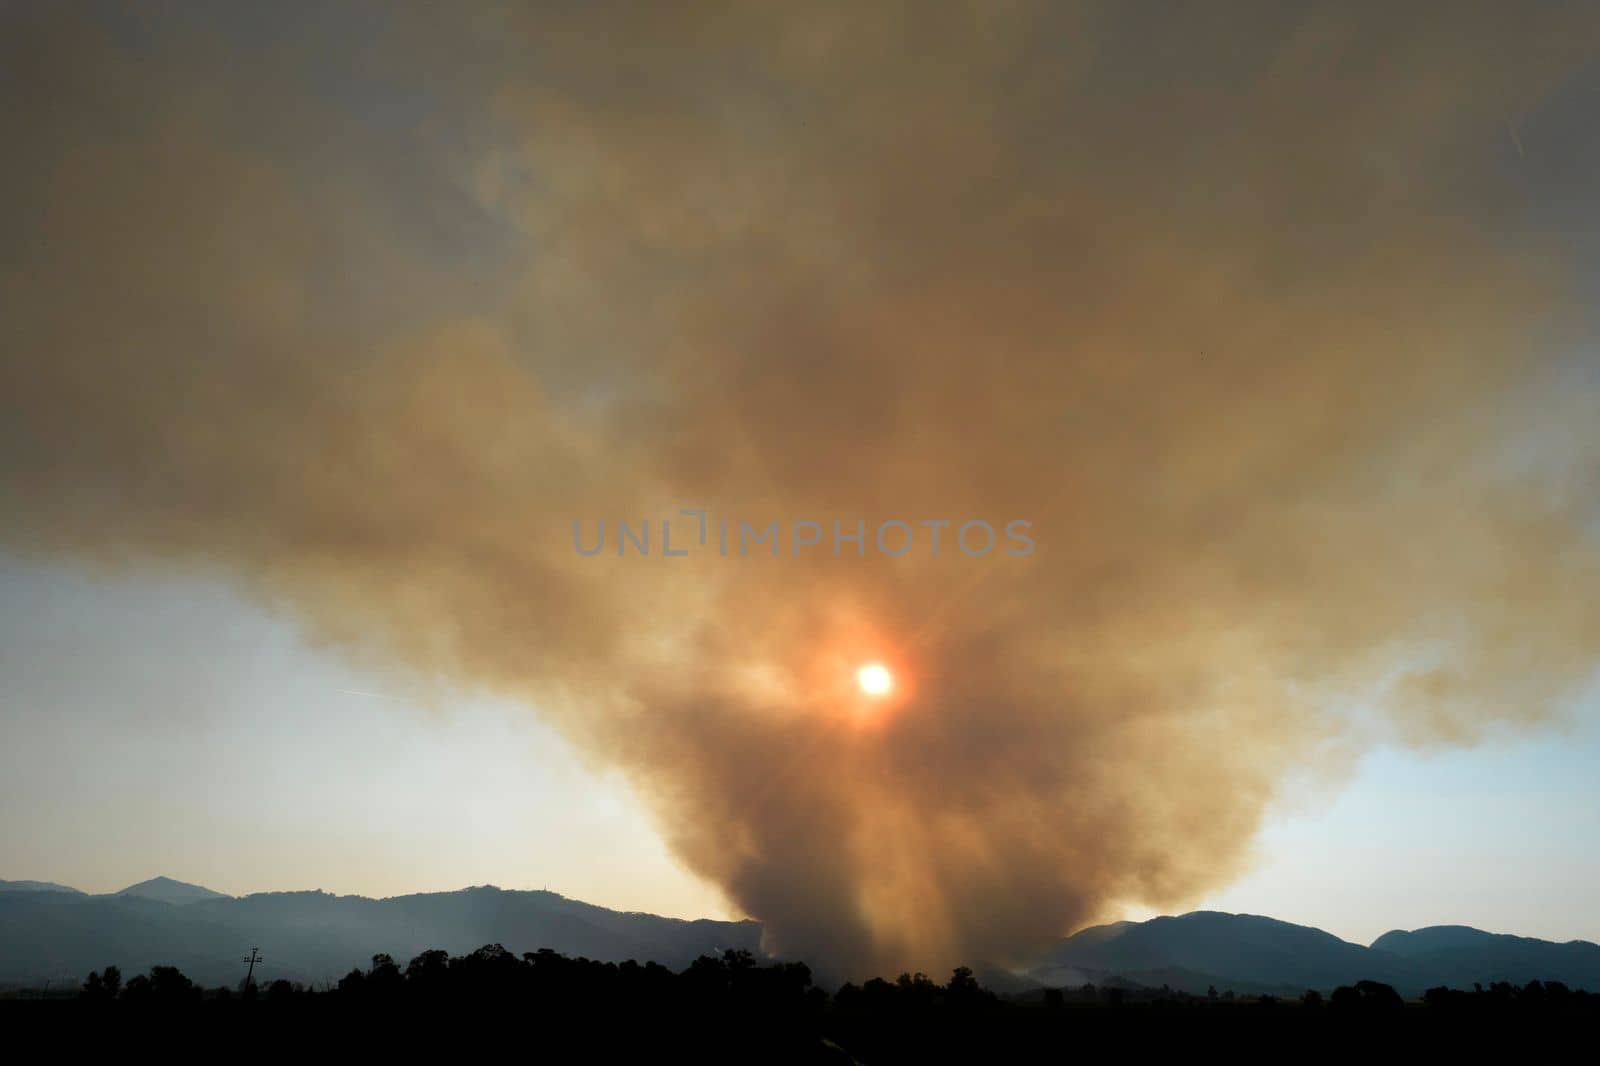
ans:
(1241, 308)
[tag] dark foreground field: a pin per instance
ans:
(732, 1008)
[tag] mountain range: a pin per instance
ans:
(50, 932)
(1250, 954)
(54, 933)
(164, 889)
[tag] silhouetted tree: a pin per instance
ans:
(102, 986)
(1366, 995)
(962, 983)
(428, 972)
(384, 978)
(164, 984)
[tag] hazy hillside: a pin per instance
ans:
(56, 934)
(166, 890)
(1249, 953)
(1242, 951)
(1461, 956)
(312, 936)
(36, 886)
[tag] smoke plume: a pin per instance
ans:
(363, 308)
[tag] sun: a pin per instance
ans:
(875, 679)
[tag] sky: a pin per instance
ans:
(160, 727)
(1270, 329)
(168, 728)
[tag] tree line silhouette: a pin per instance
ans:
(776, 1007)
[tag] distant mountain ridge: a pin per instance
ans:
(37, 886)
(316, 937)
(164, 889)
(167, 890)
(52, 932)
(1252, 954)
(1458, 951)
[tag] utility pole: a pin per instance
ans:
(253, 958)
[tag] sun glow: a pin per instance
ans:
(875, 679)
